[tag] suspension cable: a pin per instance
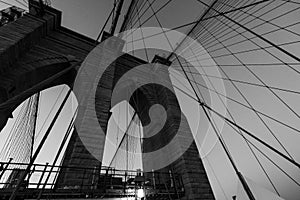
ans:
(244, 105)
(24, 174)
(257, 35)
(242, 81)
(250, 21)
(142, 34)
(243, 96)
(265, 155)
(63, 142)
(124, 136)
(260, 80)
(216, 177)
(221, 140)
(232, 118)
(105, 23)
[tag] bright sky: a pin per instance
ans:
(88, 16)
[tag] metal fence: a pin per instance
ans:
(43, 180)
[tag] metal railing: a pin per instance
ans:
(45, 180)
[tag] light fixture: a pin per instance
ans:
(140, 193)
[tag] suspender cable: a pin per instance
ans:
(142, 14)
(245, 82)
(241, 178)
(132, 119)
(191, 30)
(259, 36)
(146, 53)
(241, 104)
(150, 17)
(265, 155)
(35, 123)
(243, 96)
(21, 179)
(123, 26)
(254, 137)
(116, 19)
(256, 76)
(244, 130)
(232, 118)
(207, 18)
(105, 23)
(59, 151)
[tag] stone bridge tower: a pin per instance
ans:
(36, 53)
